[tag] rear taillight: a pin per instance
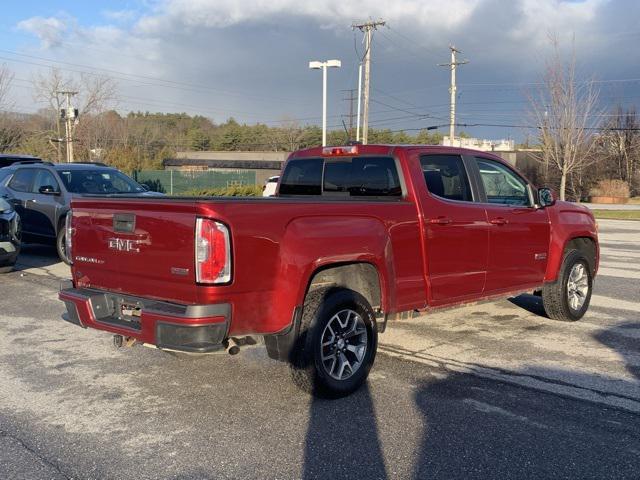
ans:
(213, 252)
(68, 235)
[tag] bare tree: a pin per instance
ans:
(96, 93)
(46, 90)
(292, 134)
(11, 130)
(621, 142)
(6, 79)
(563, 110)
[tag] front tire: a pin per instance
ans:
(337, 344)
(6, 268)
(568, 299)
(61, 246)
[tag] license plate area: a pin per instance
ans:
(118, 311)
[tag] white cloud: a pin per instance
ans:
(120, 16)
(50, 30)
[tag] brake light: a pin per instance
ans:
(340, 151)
(213, 252)
(68, 235)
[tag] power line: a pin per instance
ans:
(165, 83)
(413, 43)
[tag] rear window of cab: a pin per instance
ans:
(343, 177)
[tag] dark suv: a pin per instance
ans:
(7, 159)
(41, 193)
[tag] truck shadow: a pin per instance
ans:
(481, 428)
(531, 303)
(627, 348)
(342, 439)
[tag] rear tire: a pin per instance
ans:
(337, 344)
(567, 300)
(61, 246)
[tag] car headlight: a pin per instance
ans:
(5, 207)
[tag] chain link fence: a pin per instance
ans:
(177, 182)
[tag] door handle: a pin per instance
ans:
(498, 221)
(440, 221)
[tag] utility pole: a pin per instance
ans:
(367, 28)
(359, 101)
(452, 91)
(351, 115)
(70, 116)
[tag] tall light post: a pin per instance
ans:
(323, 66)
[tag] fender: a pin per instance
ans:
(568, 221)
(314, 242)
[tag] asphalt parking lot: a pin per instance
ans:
(492, 390)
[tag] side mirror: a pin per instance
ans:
(145, 187)
(546, 198)
(48, 190)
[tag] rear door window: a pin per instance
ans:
(446, 177)
(22, 180)
(302, 177)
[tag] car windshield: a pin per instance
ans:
(98, 182)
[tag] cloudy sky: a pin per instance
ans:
(249, 58)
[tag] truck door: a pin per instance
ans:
(456, 231)
(518, 231)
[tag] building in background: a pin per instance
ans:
(480, 144)
(257, 166)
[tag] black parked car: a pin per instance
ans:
(41, 193)
(9, 236)
(7, 159)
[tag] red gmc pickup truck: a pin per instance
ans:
(357, 235)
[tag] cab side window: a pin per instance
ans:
(44, 178)
(22, 180)
(501, 184)
(446, 177)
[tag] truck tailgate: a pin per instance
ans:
(143, 247)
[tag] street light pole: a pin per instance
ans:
(324, 105)
(323, 66)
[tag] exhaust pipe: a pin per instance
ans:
(120, 341)
(233, 346)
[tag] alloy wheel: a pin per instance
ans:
(344, 344)
(577, 287)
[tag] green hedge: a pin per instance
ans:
(238, 191)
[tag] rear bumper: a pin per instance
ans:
(186, 328)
